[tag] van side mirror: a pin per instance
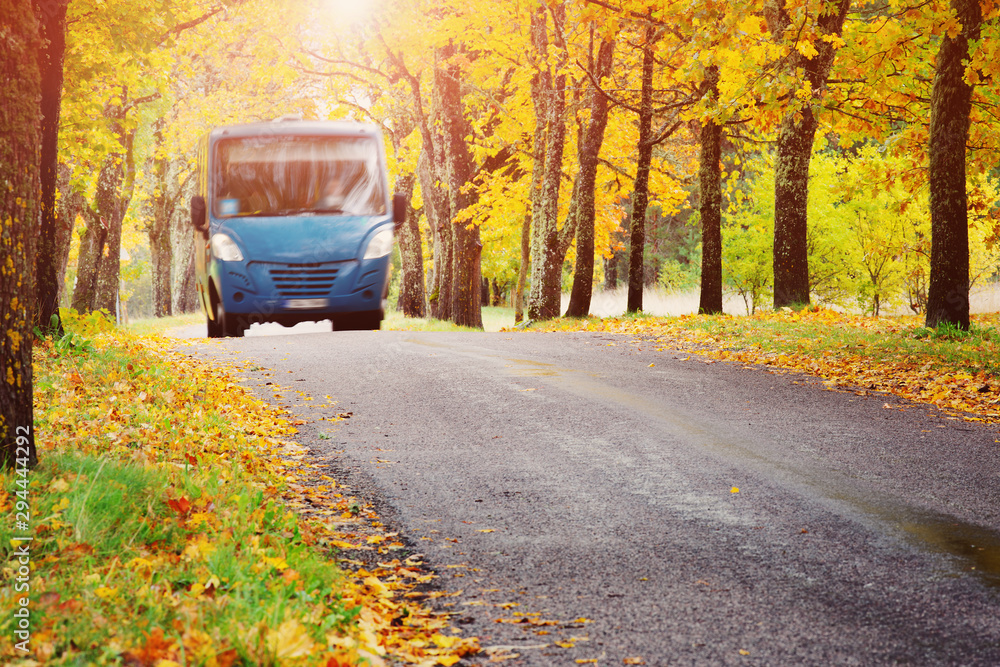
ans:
(399, 206)
(198, 211)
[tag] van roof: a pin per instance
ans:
(285, 126)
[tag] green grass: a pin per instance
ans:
(160, 325)
(155, 515)
(494, 319)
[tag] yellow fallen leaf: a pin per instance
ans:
(105, 593)
(735, 489)
(742, 652)
(59, 486)
(378, 587)
(290, 640)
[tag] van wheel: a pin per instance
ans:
(214, 330)
(229, 326)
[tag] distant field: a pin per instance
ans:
(604, 304)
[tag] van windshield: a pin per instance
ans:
(294, 175)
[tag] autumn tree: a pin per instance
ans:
(710, 194)
(589, 153)
(48, 269)
(549, 95)
(466, 309)
(640, 194)
(950, 108)
(20, 134)
(812, 31)
(221, 66)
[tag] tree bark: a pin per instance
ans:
(640, 194)
(160, 247)
(99, 262)
(467, 250)
(546, 261)
(436, 205)
(590, 149)
(48, 276)
(951, 104)
(710, 180)
(20, 138)
(438, 213)
(187, 293)
(522, 271)
(412, 301)
(70, 205)
(794, 153)
(539, 81)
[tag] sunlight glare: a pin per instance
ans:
(349, 12)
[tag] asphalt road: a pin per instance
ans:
(584, 486)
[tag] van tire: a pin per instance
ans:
(229, 326)
(213, 328)
(364, 321)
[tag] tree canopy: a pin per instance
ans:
(539, 143)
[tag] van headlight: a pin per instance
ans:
(380, 245)
(225, 248)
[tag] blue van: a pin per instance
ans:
(293, 222)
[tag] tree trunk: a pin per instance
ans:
(412, 301)
(438, 213)
(951, 103)
(52, 24)
(522, 271)
(20, 138)
(436, 207)
(794, 153)
(187, 293)
(710, 180)
(99, 264)
(546, 262)
(109, 270)
(590, 149)
(538, 82)
(160, 247)
(466, 276)
(791, 201)
(640, 195)
(70, 205)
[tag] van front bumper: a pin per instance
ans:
(278, 292)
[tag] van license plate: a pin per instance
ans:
(306, 304)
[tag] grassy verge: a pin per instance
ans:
(494, 319)
(166, 531)
(955, 370)
(158, 325)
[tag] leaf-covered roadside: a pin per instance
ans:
(165, 512)
(954, 370)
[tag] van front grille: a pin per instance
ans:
(303, 280)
